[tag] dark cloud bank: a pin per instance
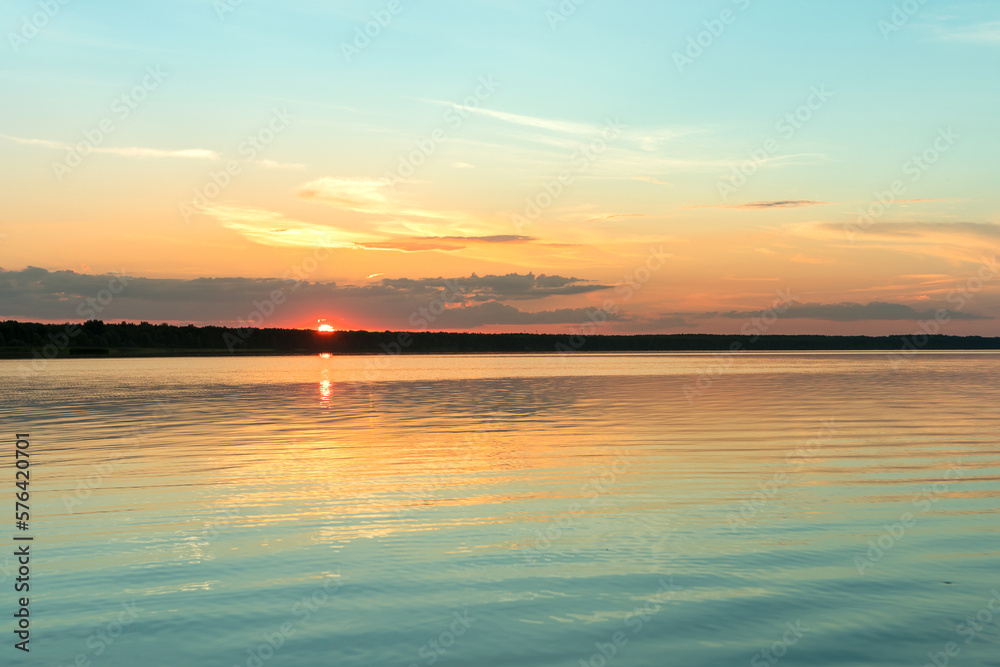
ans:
(439, 303)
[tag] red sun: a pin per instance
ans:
(325, 328)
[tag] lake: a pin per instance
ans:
(648, 509)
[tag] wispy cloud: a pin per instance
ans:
(988, 33)
(650, 179)
(447, 243)
(617, 217)
(271, 164)
(375, 196)
(274, 229)
(853, 312)
(805, 259)
(499, 314)
(364, 195)
(954, 241)
(639, 146)
(766, 205)
(129, 151)
(569, 127)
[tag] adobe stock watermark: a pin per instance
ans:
(454, 117)
(633, 283)
(971, 628)
(755, 328)
(421, 320)
(444, 476)
(138, 433)
(265, 308)
(562, 13)
(302, 612)
(901, 15)
(958, 298)
(780, 648)
(635, 621)
(121, 108)
(32, 25)
(101, 640)
(915, 167)
(364, 35)
(580, 162)
(786, 128)
(224, 7)
(704, 40)
(249, 149)
(660, 541)
(437, 647)
(89, 309)
(893, 533)
(593, 491)
(795, 460)
(259, 481)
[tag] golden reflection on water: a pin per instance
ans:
(428, 487)
(387, 458)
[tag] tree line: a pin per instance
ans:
(95, 337)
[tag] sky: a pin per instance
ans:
(503, 165)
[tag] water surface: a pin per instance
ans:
(653, 509)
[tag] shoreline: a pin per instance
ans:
(139, 353)
(96, 339)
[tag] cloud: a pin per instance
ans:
(983, 33)
(529, 121)
(36, 293)
(804, 259)
(496, 313)
(512, 286)
(617, 217)
(966, 242)
(918, 229)
(132, 152)
(271, 164)
(650, 179)
(446, 243)
(274, 229)
(853, 312)
(765, 205)
(194, 153)
(353, 194)
(376, 197)
(660, 324)
(637, 149)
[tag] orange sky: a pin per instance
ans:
(685, 196)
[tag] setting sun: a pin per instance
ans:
(325, 328)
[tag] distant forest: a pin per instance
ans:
(96, 338)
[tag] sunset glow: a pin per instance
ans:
(658, 174)
(500, 332)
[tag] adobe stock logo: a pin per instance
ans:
(366, 34)
(32, 25)
(698, 44)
